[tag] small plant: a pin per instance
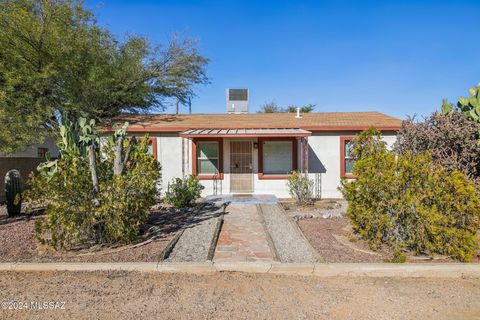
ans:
(13, 190)
(352, 238)
(182, 193)
(399, 256)
(300, 188)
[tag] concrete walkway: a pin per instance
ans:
(243, 237)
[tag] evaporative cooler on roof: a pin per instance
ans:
(237, 100)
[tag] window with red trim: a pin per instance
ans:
(346, 157)
(152, 147)
(208, 158)
(277, 157)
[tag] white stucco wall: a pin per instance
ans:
(324, 160)
(324, 164)
(169, 154)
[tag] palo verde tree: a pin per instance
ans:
(55, 60)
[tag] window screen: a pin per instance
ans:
(277, 157)
(207, 157)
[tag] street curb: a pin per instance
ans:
(410, 270)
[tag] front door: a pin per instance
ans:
(241, 169)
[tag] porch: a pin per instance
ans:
(241, 199)
(247, 161)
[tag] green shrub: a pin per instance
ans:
(399, 256)
(408, 202)
(120, 208)
(182, 193)
(300, 188)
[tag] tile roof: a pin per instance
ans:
(328, 121)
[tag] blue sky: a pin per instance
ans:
(397, 57)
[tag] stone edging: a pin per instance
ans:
(424, 270)
(216, 234)
(169, 247)
(270, 242)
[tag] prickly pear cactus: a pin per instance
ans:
(13, 190)
(471, 105)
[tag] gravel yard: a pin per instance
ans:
(288, 242)
(328, 230)
(18, 243)
(194, 243)
(330, 238)
(126, 295)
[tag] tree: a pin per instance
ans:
(106, 202)
(408, 201)
(273, 107)
(269, 107)
(56, 61)
(303, 109)
(452, 140)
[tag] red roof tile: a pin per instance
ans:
(328, 121)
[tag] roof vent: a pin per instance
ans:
(298, 116)
(237, 100)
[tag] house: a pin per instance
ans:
(26, 160)
(254, 153)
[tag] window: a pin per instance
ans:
(207, 155)
(277, 157)
(152, 147)
(208, 159)
(346, 158)
(42, 152)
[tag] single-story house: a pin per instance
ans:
(254, 153)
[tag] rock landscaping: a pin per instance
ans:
(196, 241)
(328, 230)
(19, 244)
(288, 242)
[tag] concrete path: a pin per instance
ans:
(243, 237)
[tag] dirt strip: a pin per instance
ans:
(131, 295)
